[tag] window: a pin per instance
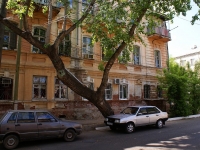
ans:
(192, 62)
(143, 111)
(152, 110)
(136, 55)
(12, 118)
(26, 117)
(87, 48)
(146, 91)
(157, 59)
(159, 91)
(85, 5)
(6, 88)
(38, 33)
(61, 91)
(39, 87)
(60, 4)
(65, 46)
(183, 63)
(124, 56)
(45, 117)
(108, 92)
(9, 39)
(123, 91)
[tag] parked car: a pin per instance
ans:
(135, 116)
(23, 125)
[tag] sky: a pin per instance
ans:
(184, 35)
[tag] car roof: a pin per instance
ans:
(141, 106)
(29, 110)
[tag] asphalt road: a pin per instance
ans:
(176, 135)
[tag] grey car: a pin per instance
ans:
(135, 116)
(23, 125)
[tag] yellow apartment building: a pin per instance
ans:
(134, 83)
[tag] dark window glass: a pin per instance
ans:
(45, 117)
(12, 118)
(146, 91)
(26, 117)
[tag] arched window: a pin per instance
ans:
(136, 55)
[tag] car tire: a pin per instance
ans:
(11, 141)
(69, 135)
(159, 124)
(129, 127)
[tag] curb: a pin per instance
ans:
(170, 119)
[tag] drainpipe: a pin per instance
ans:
(17, 70)
(3, 13)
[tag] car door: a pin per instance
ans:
(142, 117)
(26, 125)
(48, 125)
(154, 114)
(8, 123)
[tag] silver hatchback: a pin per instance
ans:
(134, 116)
(23, 125)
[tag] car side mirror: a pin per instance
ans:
(139, 114)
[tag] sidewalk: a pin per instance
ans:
(98, 124)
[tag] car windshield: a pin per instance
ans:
(130, 110)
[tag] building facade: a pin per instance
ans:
(134, 83)
(189, 57)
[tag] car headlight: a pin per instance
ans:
(106, 119)
(117, 121)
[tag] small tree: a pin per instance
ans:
(181, 86)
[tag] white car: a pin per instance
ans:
(135, 116)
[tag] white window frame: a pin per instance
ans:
(88, 48)
(182, 63)
(108, 91)
(60, 88)
(157, 58)
(121, 97)
(42, 84)
(41, 38)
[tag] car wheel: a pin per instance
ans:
(69, 135)
(159, 124)
(130, 127)
(11, 141)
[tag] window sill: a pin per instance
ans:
(39, 100)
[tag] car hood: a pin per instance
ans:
(120, 116)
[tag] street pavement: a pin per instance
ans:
(98, 124)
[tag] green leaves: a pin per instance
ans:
(181, 86)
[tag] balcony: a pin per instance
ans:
(159, 33)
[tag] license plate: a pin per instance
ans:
(109, 123)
